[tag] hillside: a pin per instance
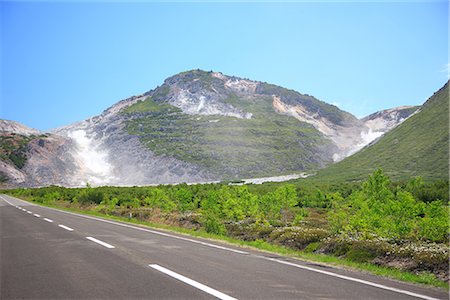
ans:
(417, 147)
(29, 157)
(238, 128)
(197, 126)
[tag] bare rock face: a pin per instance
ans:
(50, 162)
(345, 135)
(384, 120)
(32, 158)
(206, 93)
(7, 126)
(14, 175)
(102, 151)
(107, 155)
(203, 93)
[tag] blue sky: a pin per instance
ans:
(63, 62)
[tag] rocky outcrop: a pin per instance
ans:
(384, 120)
(103, 151)
(32, 158)
(7, 126)
(202, 93)
(50, 162)
(107, 155)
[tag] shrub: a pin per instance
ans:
(212, 224)
(297, 237)
(435, 224)
(88, 196)
(376, 211)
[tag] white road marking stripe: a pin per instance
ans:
(6, 200)
(36, 215)
(65, 227)
(193, 283)
(381, 286)
(151, 231)
(100, 242)
(48, 220)
(29, 212)
(242, 252)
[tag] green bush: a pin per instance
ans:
(375, 210)
(89, 196)
(212, 224)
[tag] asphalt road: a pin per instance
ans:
(52, 254)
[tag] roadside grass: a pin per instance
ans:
(424, 278)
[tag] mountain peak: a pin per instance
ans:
(197, 126)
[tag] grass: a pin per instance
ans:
(148, 105)
(313, 105)
(267, 144)
(417, 147)
(423, 278)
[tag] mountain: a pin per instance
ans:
(417, 147)
(7, 126)
(199, 126)
(206, 126)
(385, 120)
(31, 158)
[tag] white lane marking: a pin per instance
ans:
(100, 242)
(242, 252)
(65, 227)
(3, 198)
(16, 199)
(29, 212)
(150, 231)
(193, 283)
(36, 215)
(48, 220)
(381, 286)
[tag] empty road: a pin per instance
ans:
(52, 254)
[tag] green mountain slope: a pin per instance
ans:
(264, 145)
(417, 147)
(231, 127)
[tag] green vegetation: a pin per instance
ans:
(314, 105)
(148, 105)
(265, 145)
(13, 148)
(400, 225)
(376, 210)
(3, 177)
(417, 147)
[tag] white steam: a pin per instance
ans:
(366, 138)
(369, 136)
(96, 170)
